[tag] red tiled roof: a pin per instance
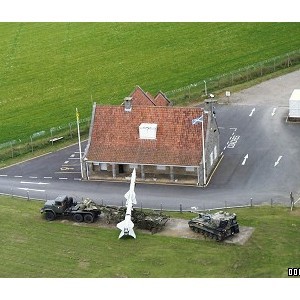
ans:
(115, 136)
(161, 100)
(139, 97)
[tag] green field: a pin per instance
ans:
(48, 69)
(33, 247)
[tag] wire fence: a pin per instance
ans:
(194, 91)
(205, 86)
(162, 207)
(39, 140)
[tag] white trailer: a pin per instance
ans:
(294, 105)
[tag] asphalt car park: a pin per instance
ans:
(259, 160)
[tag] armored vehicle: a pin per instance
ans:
(216, 226)
(63, 205)
(151, 221)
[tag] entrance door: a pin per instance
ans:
(121, 169)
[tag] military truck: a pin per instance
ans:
(216, 226)
(63, 205)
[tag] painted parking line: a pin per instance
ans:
(48, 177)
(63, 178)
(3, 175)
(27, 189)
(66, 162)
(18, 176)
(39, 183)
(33, 177)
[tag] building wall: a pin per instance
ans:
(144, 172)
(212, 145)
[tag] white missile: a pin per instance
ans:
(126, 226)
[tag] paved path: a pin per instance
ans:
(275, 92)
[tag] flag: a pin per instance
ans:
(197, 120)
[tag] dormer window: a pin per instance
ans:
(148, 131)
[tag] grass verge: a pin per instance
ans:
(33, 247)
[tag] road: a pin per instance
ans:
(260, 162)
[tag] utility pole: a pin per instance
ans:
(79, 142)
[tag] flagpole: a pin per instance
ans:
(203, 151)
(79, 142)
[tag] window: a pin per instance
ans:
(133, 166)
(160, 167)
(211, 158)
(103, 166)
(190, 169)
(215, 152)
(147, 131)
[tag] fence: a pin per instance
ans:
(179, 207)
(191, 92)
(203, 87)
(39, 140)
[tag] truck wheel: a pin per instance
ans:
(50, 215)
(78, 218)
(88, 218)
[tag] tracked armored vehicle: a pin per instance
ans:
(64, 206)
(216, 226)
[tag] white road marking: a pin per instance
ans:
(28, 182)
(33, 177)
(63, 178)
(245, 158)
(27, 189)
(18, 176)
(273, 112)
(66, 168)
(278, 160)
(66, 162)
(233, 141)
(74, 158)
(77, 178)
(48, 177)
(233, 128)
(3, 175)
(252, 112)
(72, 155)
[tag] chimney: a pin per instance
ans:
(128, 103)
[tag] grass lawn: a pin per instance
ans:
(33, 247)
(48, 69)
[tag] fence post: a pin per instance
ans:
(251, 202)
(180, 208)
(141, 206)
(12, 150)
(292, 200)
(161, 207)
(31, 144)
(27, 192)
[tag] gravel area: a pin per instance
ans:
(179, 228)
